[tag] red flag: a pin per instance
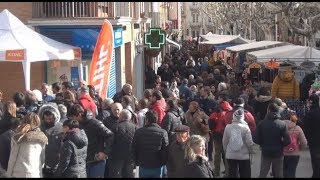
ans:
(101, 60)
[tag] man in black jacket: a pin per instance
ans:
(120, 163)
(150, 147)
(99, 140)
(109, 122)
(311, 126)
(272, 135)
(177, 162)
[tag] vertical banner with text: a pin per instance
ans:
(101, 60)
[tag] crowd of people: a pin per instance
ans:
(191, 113)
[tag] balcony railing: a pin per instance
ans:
(72, 9)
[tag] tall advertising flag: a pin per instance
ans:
(101, 60)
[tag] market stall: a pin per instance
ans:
(19, 43)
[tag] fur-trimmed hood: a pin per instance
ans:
(53, 108)
(262, 98)
(35, 135)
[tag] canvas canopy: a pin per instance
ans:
(294, 53)
(19, 43)
(221, 39)
(254, 45)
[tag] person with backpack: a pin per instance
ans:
(217, 126)
(238, 145)
(292, 151)
(272, 135)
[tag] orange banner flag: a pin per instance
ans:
(101, 60)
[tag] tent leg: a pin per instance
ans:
(26, 71)
(80, 70)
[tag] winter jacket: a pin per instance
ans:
(5, 123)
(177, 162)
(110, 121)
(272, 135)
(5, 141)
(103, 114)
(73, 155)
(160, 107)
(195, 120)
(293, 127)
(200, 168)
(54, 134)
(218, 117)
(29, 163)
(118, 96)
(247, 117)
(99, 137)
(285, 89)
(122, 142)
(88, 103)
(185, 92)
(260, 106)
(150, 146)
(247, 147)
(170, 122)
(207, 105)
(311, 126)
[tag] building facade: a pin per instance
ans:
(194, 22)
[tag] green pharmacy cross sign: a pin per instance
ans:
(155, 38)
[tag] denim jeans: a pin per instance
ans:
(290, 164)
(150, 172)
(96, 169)
(277, 166)
(243, 166)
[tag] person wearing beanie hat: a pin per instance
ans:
(311, 126)
(272, 135)
(248, 117)
(176, 158)
(238, 131)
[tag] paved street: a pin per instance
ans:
(304, 169)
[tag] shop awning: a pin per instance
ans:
(294, 53)
(174, 43)
(254, 45)
(221, 39)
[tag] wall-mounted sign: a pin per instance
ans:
(155, 38)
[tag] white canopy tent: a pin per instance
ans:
(19, 43)
(221, 39)
(174, 43)
(294, 53)
(254, 45)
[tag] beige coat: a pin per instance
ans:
(193, 121)
(27, 156)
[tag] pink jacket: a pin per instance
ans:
(292, 127)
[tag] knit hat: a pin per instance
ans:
(238, 116)
(239, 102)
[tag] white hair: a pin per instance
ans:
(108, 101)
(125, 114)
(222, 86)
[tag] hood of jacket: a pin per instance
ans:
(87, 98)
(175, 112)
(290, 124)
(35, 135)
(225, 106)
(272, 116)
(78, 137)
(261, 98)
(53, 108)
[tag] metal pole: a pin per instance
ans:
(250, 21)
(276, 23)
